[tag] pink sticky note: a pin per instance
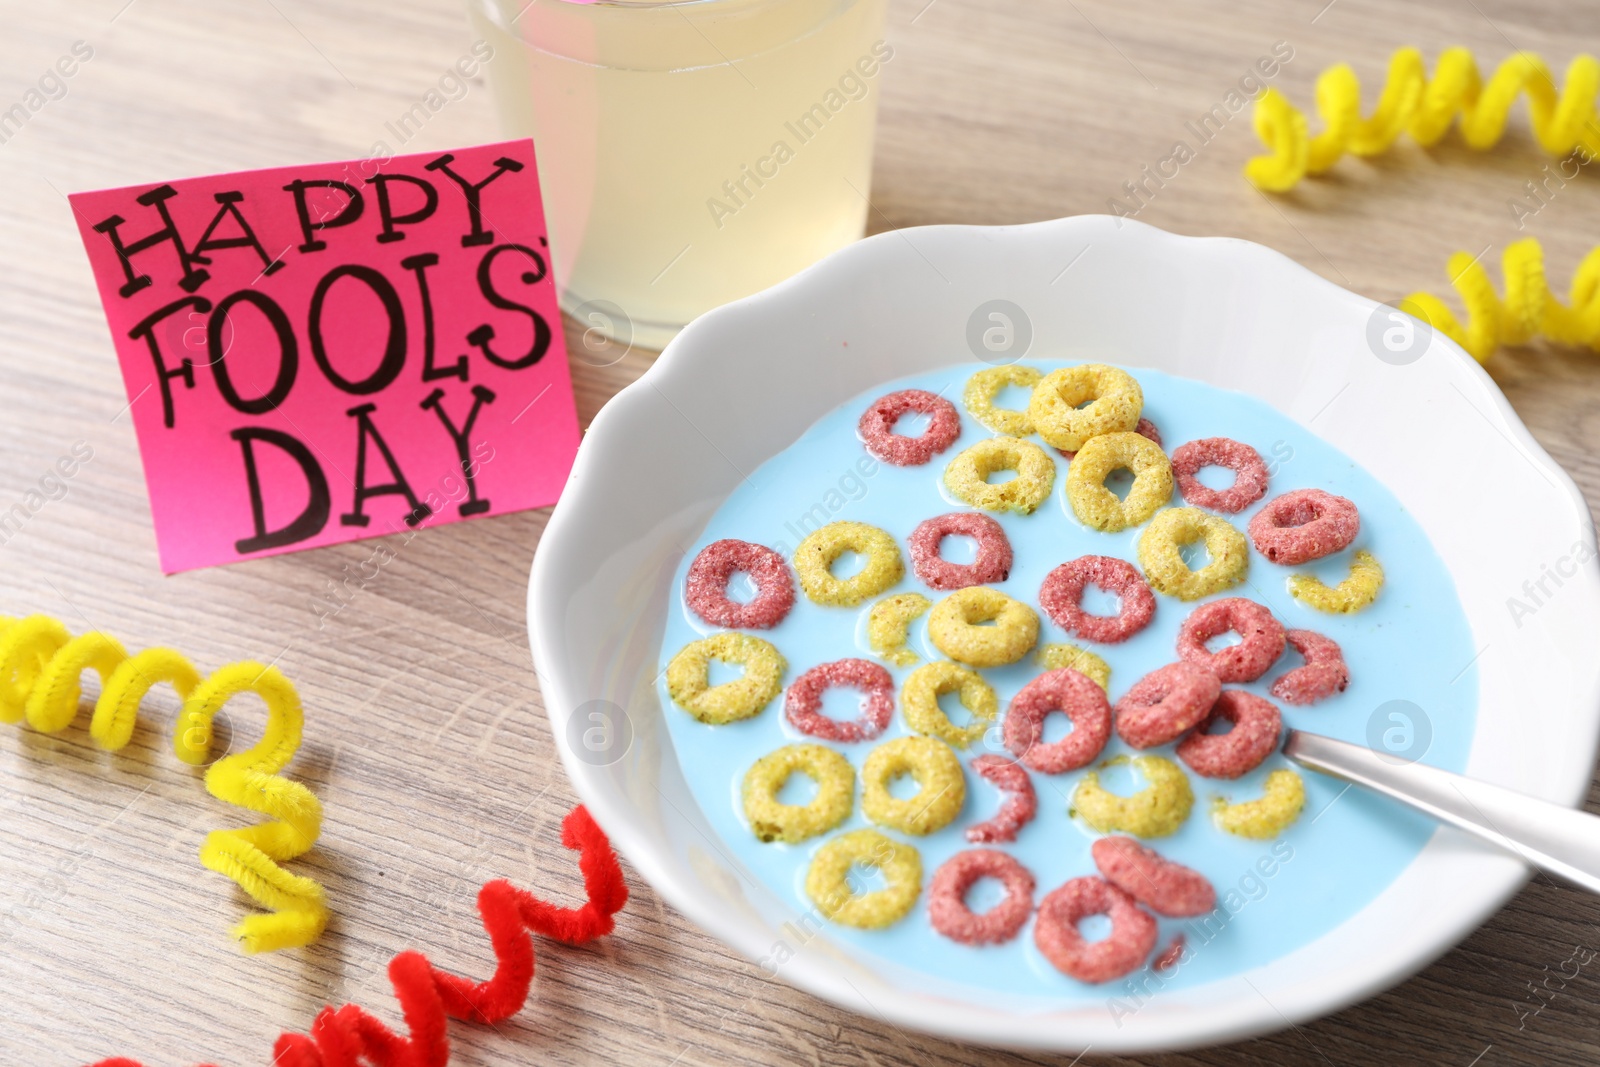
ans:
(323, 353)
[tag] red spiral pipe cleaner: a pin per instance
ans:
(350, 1037)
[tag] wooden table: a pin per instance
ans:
(428, 744)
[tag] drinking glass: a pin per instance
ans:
(690, 153)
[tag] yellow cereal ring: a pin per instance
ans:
(956, 627)
(771, 819)
(828, 884)
(689, 677)
(814, 559)
(1055, 657)
(919, 700)
(985, 385)
(1116, 401)
(1352, 594)
(1097, 506)
(1163, 563)
(935, 767)
(1282, 798)
(888, 624)
(1157, 810)
(967, 476)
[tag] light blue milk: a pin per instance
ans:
(1413, 645)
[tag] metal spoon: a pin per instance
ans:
(1562, 841)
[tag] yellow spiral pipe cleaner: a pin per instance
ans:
(41, 665)
(1563, 121)
(1528, 310)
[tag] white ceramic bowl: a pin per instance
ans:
(743, 382)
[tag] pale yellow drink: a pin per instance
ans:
(689, 153)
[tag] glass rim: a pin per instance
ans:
(638, 5)
(499, 15)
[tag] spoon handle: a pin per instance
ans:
(1560, 840)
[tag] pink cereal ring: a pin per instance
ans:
(1080, 699)
(1260, 639)
(1249, 473)
(1165, 703)
(1018, 808)
(706, 589)
(1304, 525)
(947, 893)
(1254, 737)
(877, 427)
(994, 551)
(1323, 675)
(1146, 429)
(802, 705)
(1133, 930)
(1165, 887)
(1061, 596)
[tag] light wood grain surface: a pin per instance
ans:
(427, 740)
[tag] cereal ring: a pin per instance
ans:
(1170, 956)
(1157, 810)
(967, 476)
(802, 705)
(1163, 563)
(1021, 804)
(889, 622)
(994, 551)
(828, 882)
(985, 385)
(919, 701)
(1323, 675)
(935, 767)
(706, 589)
(1133, 931)
(1116, 401)
(772, 820)
(1055, 657)
(1165, 887)
(1061, 597)
(1304, 525)
(947, 893)
(1146, 428)
(1352, 594)
(1097, 506)
(1254, 737)
(877, 427)
(1165, 703)
(1072, 694)
(1279, 805)
(689, 677)
(816, 554)
(1249, 473)
(956, 627)
(1260, 644)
